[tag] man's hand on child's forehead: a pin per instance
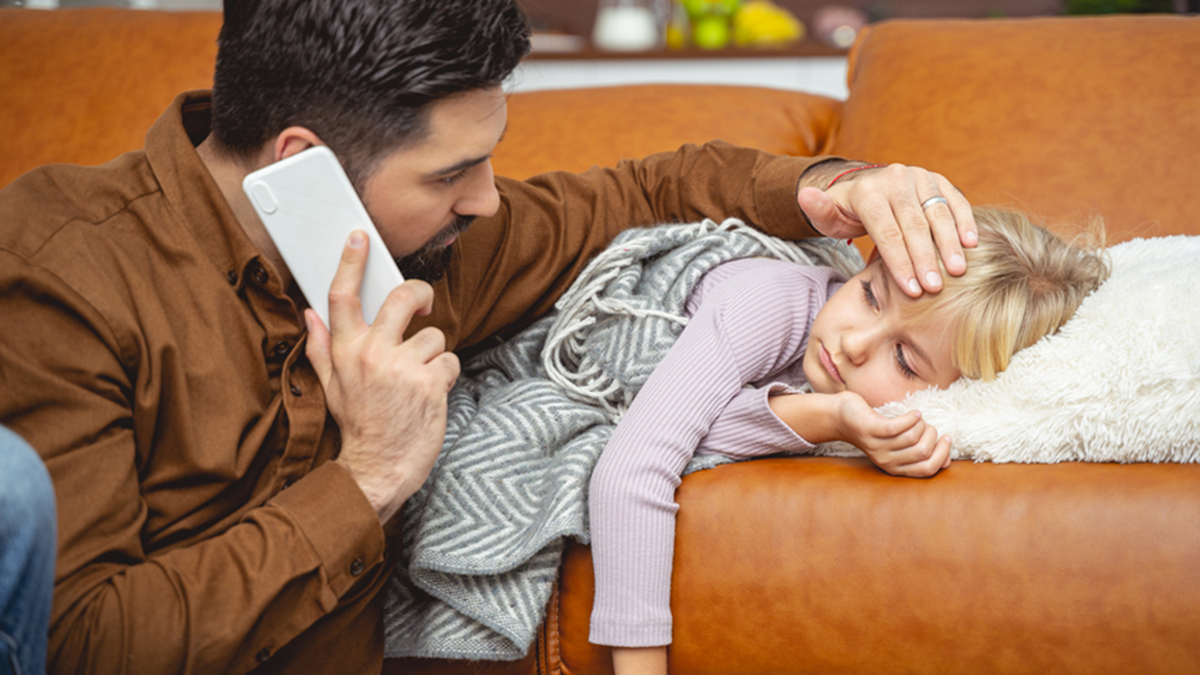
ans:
(914, 217)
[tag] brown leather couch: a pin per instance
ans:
(825, 565)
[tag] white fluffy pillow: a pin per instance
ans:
(1120, 382)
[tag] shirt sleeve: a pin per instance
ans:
(512, 267)
(748, 428)
(273, 570)
(749, 325)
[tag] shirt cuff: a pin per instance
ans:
(775, 191)
(789, 440)
(338, 521)
(614, 634)
(748, 428)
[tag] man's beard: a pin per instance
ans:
(429, 263)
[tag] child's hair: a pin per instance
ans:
(1022, 283)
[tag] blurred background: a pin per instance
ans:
(788, 44)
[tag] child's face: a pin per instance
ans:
(861, 341)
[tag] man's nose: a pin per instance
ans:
(480, 197)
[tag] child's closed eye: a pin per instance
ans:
(902, 363)
(870, 294)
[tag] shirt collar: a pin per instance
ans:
(190, 189)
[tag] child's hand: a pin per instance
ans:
(901, 446)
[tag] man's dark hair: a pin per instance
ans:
(361, 74)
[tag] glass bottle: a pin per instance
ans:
(627, 25)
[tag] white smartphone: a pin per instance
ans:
(310, 208)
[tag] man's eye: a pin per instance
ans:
(454, 178)
(866, 285)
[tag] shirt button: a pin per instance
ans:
(296, 390)
(263, 654)
(288, 483)
(356, 567)
(232, 276)
(259, 275)
(282, 348)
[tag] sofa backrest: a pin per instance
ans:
(84, 85)
(574, 129)
(1063, 117)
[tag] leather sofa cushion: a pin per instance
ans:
(824, 565)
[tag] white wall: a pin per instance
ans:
(819, 75)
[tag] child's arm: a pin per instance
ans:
(901, 446)
(751, 320)
(639, 660)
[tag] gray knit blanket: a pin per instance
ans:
(483, 538)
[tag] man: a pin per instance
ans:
(227, 466)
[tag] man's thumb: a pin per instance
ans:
(823, 213)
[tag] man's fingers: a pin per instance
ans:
(964, 217)
(888, 207)
(939, 217)
(426, 345)
(955, 226)
(317, 347)
(404, 301)
(909, 199)
(449, 364)
(345, 307)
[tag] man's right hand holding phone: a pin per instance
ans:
(387, 393)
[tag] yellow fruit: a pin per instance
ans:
(675, 37)
(762, 23)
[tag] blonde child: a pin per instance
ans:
(777, 358)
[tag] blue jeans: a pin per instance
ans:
(27, 547)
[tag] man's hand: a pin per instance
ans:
(387, 394)
(901, 446)
(886, 203)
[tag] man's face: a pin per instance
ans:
(862, 341)
(422, 197)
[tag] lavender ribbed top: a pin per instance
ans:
(748, 331)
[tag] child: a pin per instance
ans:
(761, 329)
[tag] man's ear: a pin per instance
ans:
(293, 140)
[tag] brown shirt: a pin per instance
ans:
(151, 355)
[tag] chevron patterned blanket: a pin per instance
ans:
(483, 538)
